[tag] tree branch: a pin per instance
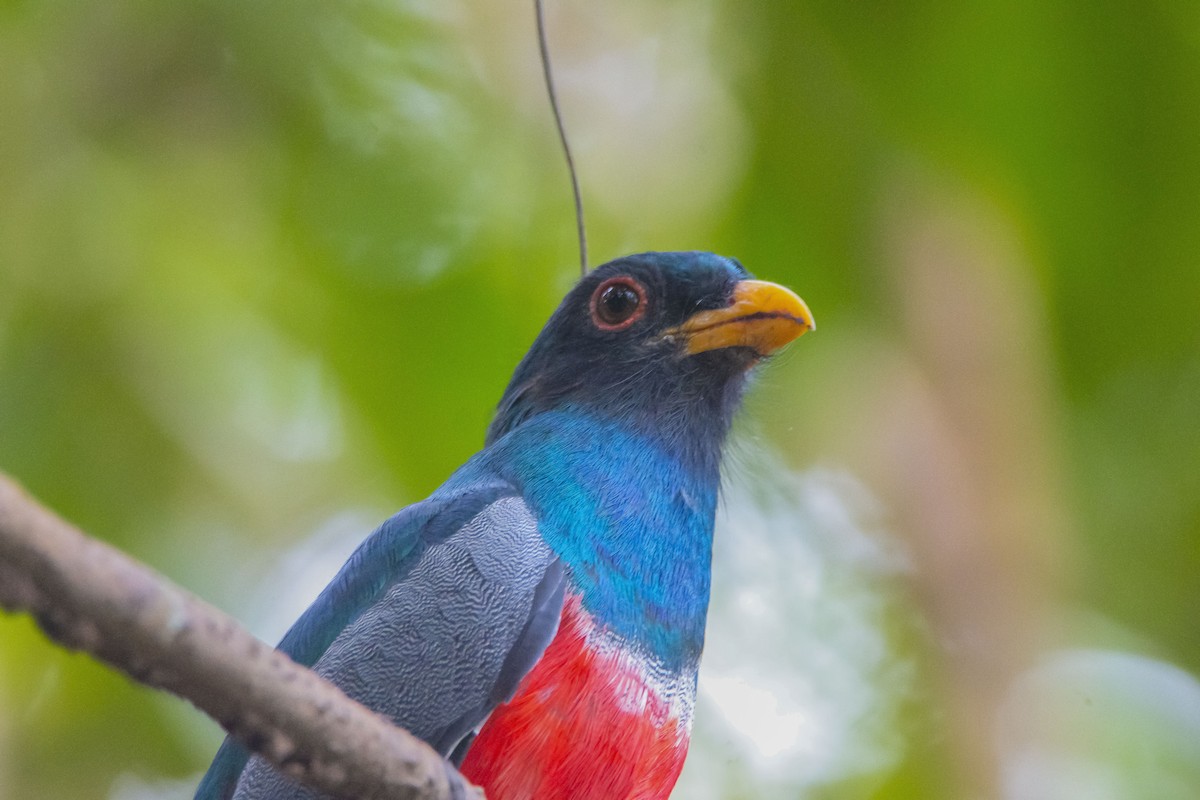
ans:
(88, 596)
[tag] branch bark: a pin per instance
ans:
(88, 596)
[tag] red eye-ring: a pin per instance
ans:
(618, 303)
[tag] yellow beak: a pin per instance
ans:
(763, 316)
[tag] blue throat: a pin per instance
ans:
(632, 520)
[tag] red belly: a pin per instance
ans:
(584, 725)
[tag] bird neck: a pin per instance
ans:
(683, 406)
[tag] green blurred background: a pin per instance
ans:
(265, 269)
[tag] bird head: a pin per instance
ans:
(659, 341)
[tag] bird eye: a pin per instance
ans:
(618, 303)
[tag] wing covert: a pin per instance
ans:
(475, 601)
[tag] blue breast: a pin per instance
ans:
(632, 523)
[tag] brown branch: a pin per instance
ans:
(90, 597)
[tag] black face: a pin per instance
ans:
(604, 349)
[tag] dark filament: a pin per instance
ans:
(562, 136)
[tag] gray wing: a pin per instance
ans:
(443, 646)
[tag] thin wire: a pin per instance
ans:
(562, 137)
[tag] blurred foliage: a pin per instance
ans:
(264, 263)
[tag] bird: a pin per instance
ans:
(539, 619)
